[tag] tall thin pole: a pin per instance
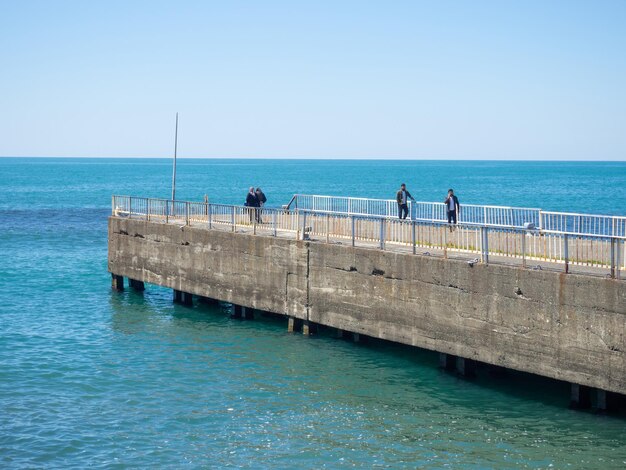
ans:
(174, 169)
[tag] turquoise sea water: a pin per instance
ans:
(93, 378)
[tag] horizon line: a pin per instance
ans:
(338, 158)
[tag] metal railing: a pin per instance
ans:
(493, 216)
(562, 249)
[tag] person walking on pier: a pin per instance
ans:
(453, 207)
(262, 200)
(402, 197)
(252, 202)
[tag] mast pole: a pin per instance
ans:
(174, 167)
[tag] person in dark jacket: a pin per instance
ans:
(402, 197)
(262, 200)
(252, 202)
(452, 207)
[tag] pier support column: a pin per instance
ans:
(601, 400)
(237, 311)
(308, 328)
(117, 282)
(247, 313)
(356, 337)
(580, 397)
(137, 285)
(606, 401)
(447, 361)
(187, 299)
(465, 367)
(184, 298)
(293, 324)
(338, 333)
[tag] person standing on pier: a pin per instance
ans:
(402, 196)
(453, 207)
(262, 200)
(252, 202)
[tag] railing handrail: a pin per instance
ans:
(539, 229)
(325, 196)
(550, 244)
(488, 215)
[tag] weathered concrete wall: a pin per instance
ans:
(567, 327)
(259, 272)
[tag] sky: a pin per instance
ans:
(314, 79)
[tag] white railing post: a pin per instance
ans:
(186, 213)
(353, 233)
(382, 233)
(524, 249)
(304, 237)
(209, 215)
(613, 256)
(484, 252)
(327, 228)
(566, 252)
(413, 240)
(130, 207)
(148, 209)
(232, 217)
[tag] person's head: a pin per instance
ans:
(450, 192)
(403, 186)
(258, 190)
(251, 189)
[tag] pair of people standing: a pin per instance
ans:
(452, 204)
(255, 200)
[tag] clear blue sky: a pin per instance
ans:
(352, 79)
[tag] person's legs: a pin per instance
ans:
(405, 209)
(399, 211)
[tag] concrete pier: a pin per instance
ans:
(564, 326)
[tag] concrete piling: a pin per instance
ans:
(309, 328)
(247, 313)
(181, 297)
(465, 367)
(580, 397)
(447, 361)
(117, 282)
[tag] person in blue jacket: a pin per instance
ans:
(252, 202)
(452, 207)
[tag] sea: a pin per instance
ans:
(91, 378)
